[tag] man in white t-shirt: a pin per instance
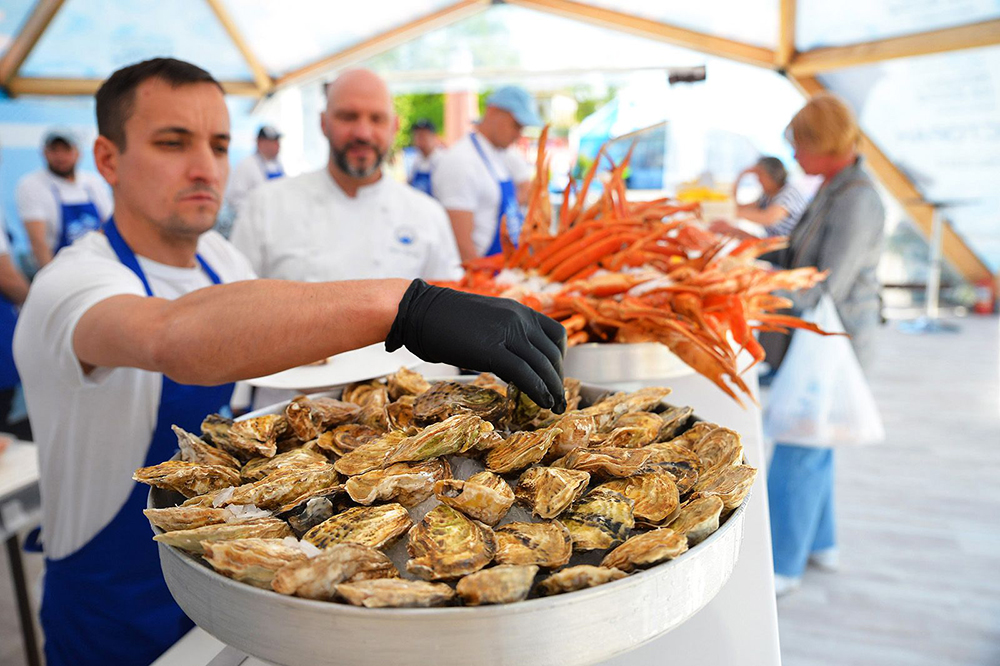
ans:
(480, 179)
(424, 137)
(59, 204)
(348, 220)
(147, 323)
(255, 170)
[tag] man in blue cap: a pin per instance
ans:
(480, 179)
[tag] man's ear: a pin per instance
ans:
(106, 155)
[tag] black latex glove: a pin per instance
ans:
(485, 334)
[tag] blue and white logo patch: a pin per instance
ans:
(406, 236)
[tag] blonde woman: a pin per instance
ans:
(840, 231)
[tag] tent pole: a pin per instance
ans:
(21, 47)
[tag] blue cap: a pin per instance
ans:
(516, 101)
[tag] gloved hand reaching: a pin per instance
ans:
(485, 334)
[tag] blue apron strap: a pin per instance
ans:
(506, 207)
(269, 175)
(422, 181)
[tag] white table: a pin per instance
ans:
(20, 509)
(739, 626)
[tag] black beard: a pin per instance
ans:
(340, 158)
(63, 173)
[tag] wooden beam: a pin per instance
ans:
(955, 249)
(384, 41)
(260, 75)
(786, 34)
(86, 87)
(27, 37)
(969, 36)
(691, 39)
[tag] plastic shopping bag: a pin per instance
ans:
(819, 396)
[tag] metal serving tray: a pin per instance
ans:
(577, 628)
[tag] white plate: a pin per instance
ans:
(353, 366)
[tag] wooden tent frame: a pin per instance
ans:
(800, 67)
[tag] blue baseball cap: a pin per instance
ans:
(519, 103)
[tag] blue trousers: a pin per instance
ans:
(800, 491)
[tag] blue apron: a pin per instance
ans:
(270, 175)
(107, 603)
(8, 372)
(508, 203)
(77, 219)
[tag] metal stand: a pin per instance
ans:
(931, 321)
(23, 602)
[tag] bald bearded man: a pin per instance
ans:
(348, 220)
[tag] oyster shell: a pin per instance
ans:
(374, 526)
(720, 448)
(361, 393)
(644, 550)
(484, 496)
(406, 382)
(490, 381)
(188, 478)
(576, 430)
(279, 488)
(546, 544)
(446, 399)
(654, 494)
(343, 439)
(632, 431)
(673, 419)
(520, 450)
(215, 430)
(374, 411)
(600, 519)
(446, 544)
(194, 449)
(521, 410)
(681, 462)
(400, 413)
(297, 459)
(697, 518)
(194, 540)
(406, 483)
(309, 417)
(184, 517)
(308, 511)
(606, 463)
(395, 593)
(608, 410)
(207, 499)
(730, 484)
(550, 490)
(504, 584)
(318, 577)
(576, 578)
(255, 437)
(693, 435)
(253, 560)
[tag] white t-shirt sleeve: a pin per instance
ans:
(453, 182)
(102, 196)
(520, 170)
(249, 234)
(35, 202)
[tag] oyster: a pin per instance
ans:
(318, 577)
(446, 544)
(184, 517)
(484, 496)
(697, 518)
(406, 483)
(730, 484)
(400, 413)
(632, 430)
(576, 578)
(193, 449)
(215, 430)
(608, 410)
(406, 382)
(297, 459)
(187, 478)
(456, 434)
(445, 399)
(255, 437)
(279, 488)
(194, 540)
(395, 593)
(306, 512)
(654, 493)
(520, 450)
(693, 435)
(600, 519)
(375, 526)
(719, 448)
(681, 462)
(309, 417)
(521, 409)
(606, 462)
(343, 439)
(361, 393)
(547, 544)
(550, 490)
(646, 549)
(374, 411)
(576, 430)
(207, 499)
(503, 584)
(673, 419)
(252, 561)
(490, 381)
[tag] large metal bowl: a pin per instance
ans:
(578, 628)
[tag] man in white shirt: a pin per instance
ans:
(480, 179)
(147, 323)
(423, 136)
(59, 204)
(255, 170)
(348, 220)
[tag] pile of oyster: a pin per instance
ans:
(405, 494)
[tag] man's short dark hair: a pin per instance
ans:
(116, 96)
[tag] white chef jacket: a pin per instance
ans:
(461, 181)
(36, 198)
(306, 228)
(249, 174)
(93, 430)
